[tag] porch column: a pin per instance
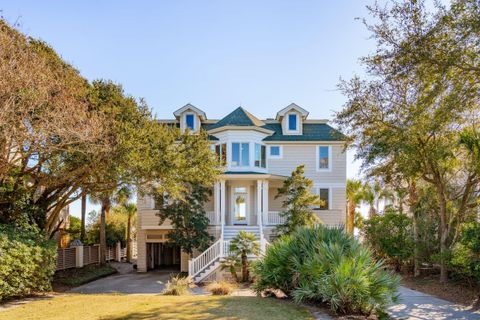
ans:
(259, 202)
(265, 201)
(222, 204)
(216, 203)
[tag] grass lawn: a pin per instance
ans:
(115, 306)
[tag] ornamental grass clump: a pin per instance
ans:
(323, 265)
(221, 288)
(178, 285)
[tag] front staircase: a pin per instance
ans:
(211, 259)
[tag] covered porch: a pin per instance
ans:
(245, 199)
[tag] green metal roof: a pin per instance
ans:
(238, 117)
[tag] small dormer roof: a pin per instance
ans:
(291, 106)
(189, 106)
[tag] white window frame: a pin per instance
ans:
(194, 121)
(266, 155)
(317, 159)
(297, 120)
(280, 155)
(241, 158)
(329, 198)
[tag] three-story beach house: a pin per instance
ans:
(258, 155)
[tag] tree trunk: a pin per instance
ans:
(103, 240)
(129, 240)
(351, 217)
(413, 199)
(84, 210)
(244, 267)
(443, 234)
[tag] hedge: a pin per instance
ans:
(27, 262)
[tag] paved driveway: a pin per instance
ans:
(129, 281)
(421, 306)
(150, 282)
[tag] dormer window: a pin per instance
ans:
(190, 121)
(292, 122)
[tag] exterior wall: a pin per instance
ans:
(297, 154)
(294, 155)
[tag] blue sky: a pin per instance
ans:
(217, 55)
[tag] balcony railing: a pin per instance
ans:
(274, 218)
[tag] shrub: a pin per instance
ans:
(390, 237)
(27, 262)
(326, 266)
(221, 288)
(178, 285)
(231, 263)
(466, 254)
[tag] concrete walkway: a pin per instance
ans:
(420, 306)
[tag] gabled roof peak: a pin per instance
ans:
(239, 117)
(189, 106)
(291, 106)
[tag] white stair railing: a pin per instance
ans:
(200, 263)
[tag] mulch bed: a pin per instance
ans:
(455, 291)
(70, 278)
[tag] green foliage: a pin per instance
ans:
(27, 262)
(188, 218)
(298, 202)
(115, 229)
(74, 229)
(178, 285)
(243, 245)
(231, 263)
(325, 265)
(390, 237)
(466, 253)
(79, 276)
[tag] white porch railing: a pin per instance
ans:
(212, 218)
(274, 218)
(200, 263)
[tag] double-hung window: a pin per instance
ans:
(221, 151)
(323, 161)
(260, 156)
(190, 121)
(324, 194)
(240, 154)
(292, 122)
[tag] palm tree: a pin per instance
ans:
(131, 210)
(106, 200)
(84, 211)
(242, 245)
(354, 197)
(231, 263)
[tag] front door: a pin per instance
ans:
(240, 205)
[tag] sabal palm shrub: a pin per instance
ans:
(243, 245)
(326, 266)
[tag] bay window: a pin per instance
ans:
(240, 154)
(221, 151)
(260, 156)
